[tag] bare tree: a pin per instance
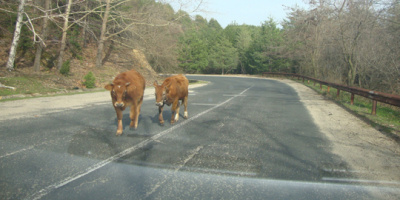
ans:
(102, 38)
(17, 32)
(41, 45)
(64, 35)
(139, 27)
(346, 41)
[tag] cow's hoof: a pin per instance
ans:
(118, 133)
(132, 128)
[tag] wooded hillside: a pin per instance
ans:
(354, 42)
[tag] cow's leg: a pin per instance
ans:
(132, 115)
(185, 102)
(119, 118)
(160, 116)
(175, 111)
(137, 113)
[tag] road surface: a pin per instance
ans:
(245, 137)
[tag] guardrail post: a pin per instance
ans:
(329, 88)
(374, 103)
(337, 93)
(320, 86)
(352, 99)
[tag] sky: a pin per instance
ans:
(250, 12)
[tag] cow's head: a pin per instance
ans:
(161, 93)
(119, 92)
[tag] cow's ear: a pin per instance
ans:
(109, 86)
(155, 84)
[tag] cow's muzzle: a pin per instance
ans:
(119, 105)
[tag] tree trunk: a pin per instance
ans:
(41, 45)
(17, 33)
(85, 26)
(100, 46)
(64, 36)
(352, 71)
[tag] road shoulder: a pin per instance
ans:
(370, 154)
(35, 107)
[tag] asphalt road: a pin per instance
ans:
(245, 138)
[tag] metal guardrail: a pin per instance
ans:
(375, 96)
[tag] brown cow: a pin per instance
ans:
(172, 90)
(127, 89)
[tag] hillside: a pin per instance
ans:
(29, 83)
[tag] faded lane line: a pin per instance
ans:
(180, 166)
(349, 180)
(103, 163)
(33, 146)
(203, 104)
(233, 95)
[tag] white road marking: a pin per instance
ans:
(349, 180)
(33, 146)
(348, 171)
(156, 186)
(204, 104)
(15, 152)
(50, 188)
(233, 95)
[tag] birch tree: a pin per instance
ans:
(17, 33)
(41, 45)
(64, 35)
(100, 46)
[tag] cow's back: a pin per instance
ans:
(178, 85)
(183, 84)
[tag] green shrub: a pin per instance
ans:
(65, 68)
(89, 80)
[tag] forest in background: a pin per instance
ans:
(352, 42)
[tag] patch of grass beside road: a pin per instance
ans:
(387, 117)
(23, 85)
(26, 87)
